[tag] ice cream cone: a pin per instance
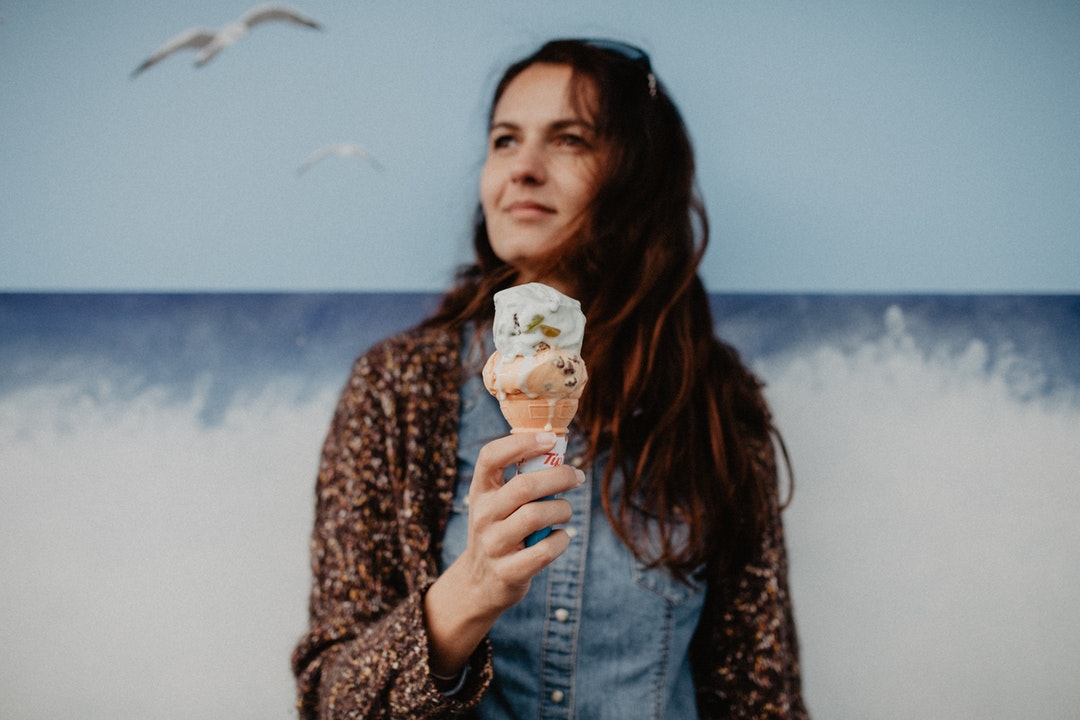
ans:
(536, 371)
(539, 415)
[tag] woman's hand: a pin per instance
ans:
(496, 568)
(502, 514)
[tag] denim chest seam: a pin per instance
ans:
(565, 591)
(661, 668)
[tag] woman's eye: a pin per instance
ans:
(502, 141)
(571, 140)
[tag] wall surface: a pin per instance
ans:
(842, 146)
(892, 197)
(158, 455)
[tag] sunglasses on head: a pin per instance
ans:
(628, 52)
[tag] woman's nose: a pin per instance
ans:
(528, 166)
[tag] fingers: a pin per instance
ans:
(528, 562)
(530, 486)
(502, 514)
(516, 566)
(490, 585)
(510, 535)
(514, 500)
(502, 522)
(500, 454)
(496, 564)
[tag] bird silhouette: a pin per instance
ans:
(210, 42)
(343, 149)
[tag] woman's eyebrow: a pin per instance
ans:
(555, 125)
(571, 123)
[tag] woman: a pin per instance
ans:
(663, 593)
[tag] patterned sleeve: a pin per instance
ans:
(382, 471)
(746, 650)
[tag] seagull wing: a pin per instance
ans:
(222, 39)
(358, 151)
(340, 149)
(233, 31)
(264, 13)
(314, 158)
(195, 37)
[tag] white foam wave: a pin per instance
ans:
(156, 566)
(934, 532)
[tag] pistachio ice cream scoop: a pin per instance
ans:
(536, 371)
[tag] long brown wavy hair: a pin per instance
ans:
(675, 407)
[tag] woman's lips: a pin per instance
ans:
(526, 209)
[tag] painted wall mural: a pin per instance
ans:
(158, 455)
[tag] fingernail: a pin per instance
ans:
(580, 476)
(545, 438)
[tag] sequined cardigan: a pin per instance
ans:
(383, 495)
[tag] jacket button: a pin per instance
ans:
(557, 696)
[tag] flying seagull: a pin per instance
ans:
(210, 42)
(343, 149)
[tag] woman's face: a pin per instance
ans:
(541, 171)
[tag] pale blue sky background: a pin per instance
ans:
(843, 146)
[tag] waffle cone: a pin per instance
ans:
(539, 415)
